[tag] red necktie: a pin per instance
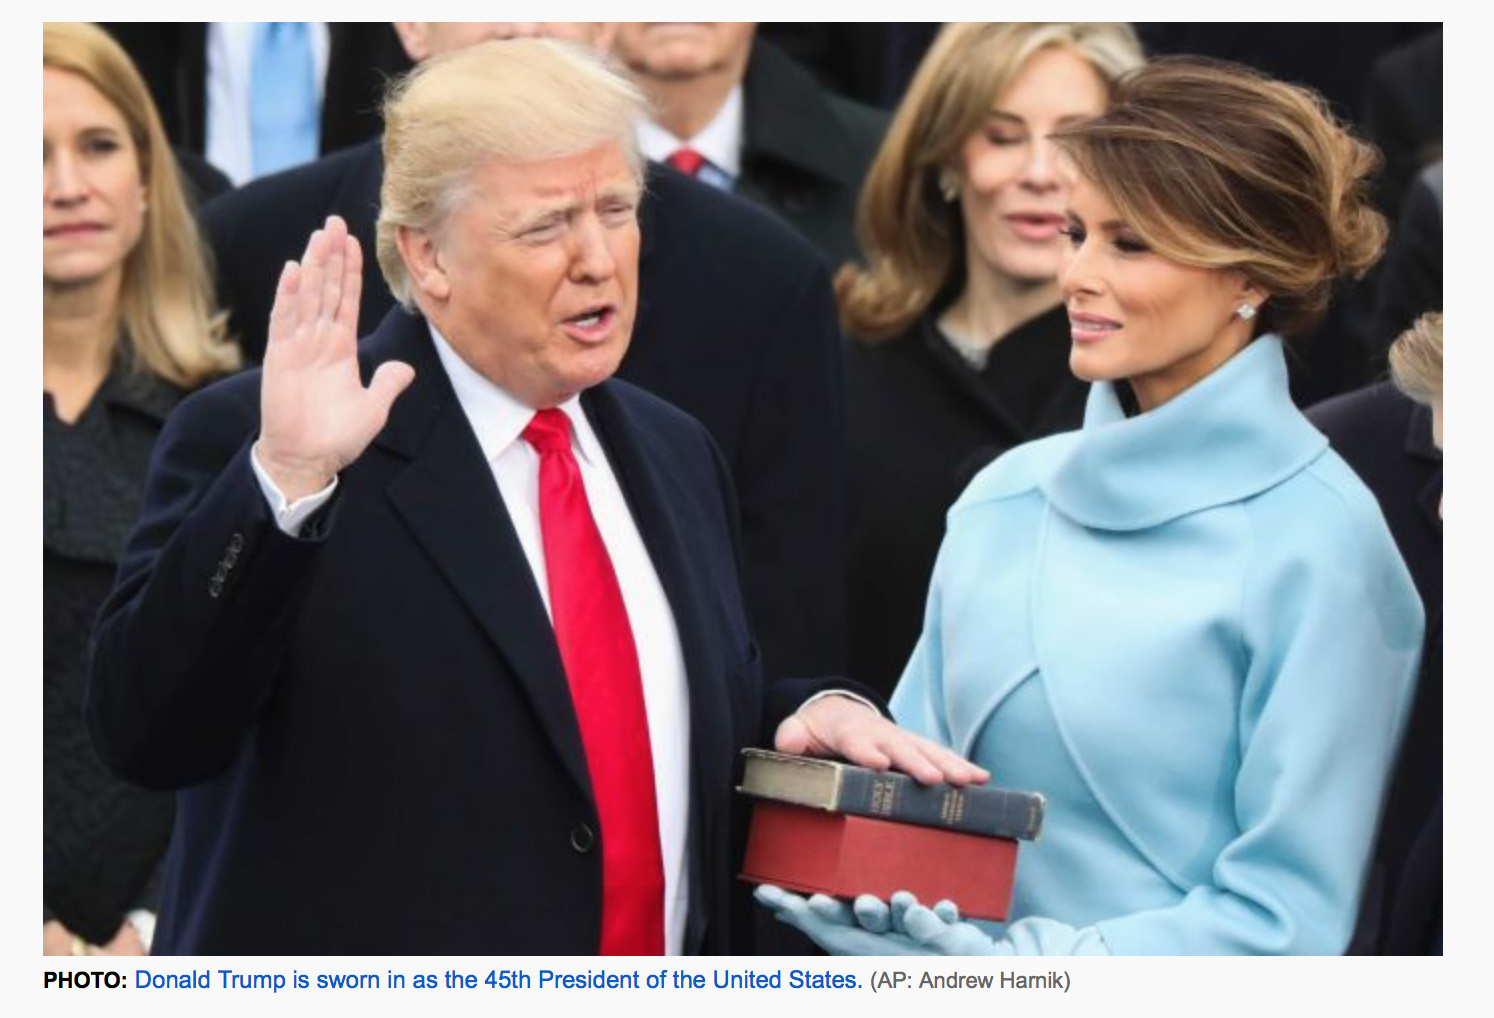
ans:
(601, 664)
(686, 160)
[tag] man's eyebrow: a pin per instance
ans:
(528, 218)
(621, 189)
(543, 214)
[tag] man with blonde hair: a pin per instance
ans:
(441, 634)
(736, 325)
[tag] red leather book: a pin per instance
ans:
(842, 854)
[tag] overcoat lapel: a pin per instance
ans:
(653, 497)
(450, 502)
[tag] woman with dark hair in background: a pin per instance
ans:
(960, 342)
(1187, 624)
(128, 327)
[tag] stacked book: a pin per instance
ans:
(828, 827)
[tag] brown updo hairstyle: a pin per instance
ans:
(1218, 166)
(914, 238)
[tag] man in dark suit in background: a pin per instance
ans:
(736, 326)
(757, 123)
(174, 59)
(455, 663)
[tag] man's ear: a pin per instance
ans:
(413, 37)
(422, 260)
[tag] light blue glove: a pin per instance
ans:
(939, 930)
(936, 930)
(873, 927)
(833, 925)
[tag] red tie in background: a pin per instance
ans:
(686, 160)
(601, 663)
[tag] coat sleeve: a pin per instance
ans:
(187, 645)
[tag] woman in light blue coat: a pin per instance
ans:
(1187, 623)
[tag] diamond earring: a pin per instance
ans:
(949, 185)
(1245, 311)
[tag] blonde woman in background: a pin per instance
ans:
(128, 327)
(959, 344)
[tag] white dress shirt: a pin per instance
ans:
(230, 54)
(720, 142)
(498, 421)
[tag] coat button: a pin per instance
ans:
(236, 543)
(582, 838)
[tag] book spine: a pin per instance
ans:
(889, 795)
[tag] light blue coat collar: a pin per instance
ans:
(1232, 435)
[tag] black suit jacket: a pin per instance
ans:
(370, 724)
(736, 326)
(172, 58)
(805, 150)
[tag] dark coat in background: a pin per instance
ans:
(1332, 57)
(201, 180)
(920, 423)
(736, 325)
(102, 839)
(1402, 115)
(172, 58)
(869, 61)
(1387, 439)
(370, 724)
(1410, 276)
(806, 151)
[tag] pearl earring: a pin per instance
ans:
(1246, 312)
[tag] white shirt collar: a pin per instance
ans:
(497, 418)
(720, 141)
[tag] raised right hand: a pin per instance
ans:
(315, 415)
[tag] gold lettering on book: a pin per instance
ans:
(952, 807)
(884, 796)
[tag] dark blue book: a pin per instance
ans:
(840, 787)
